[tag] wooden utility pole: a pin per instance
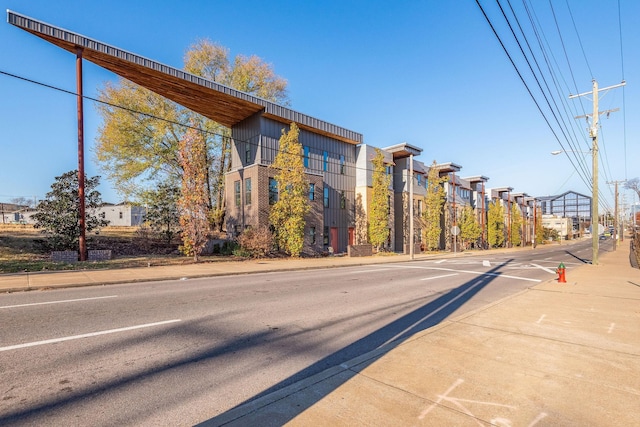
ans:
(82, 212)
(615, 213)
(593, 133)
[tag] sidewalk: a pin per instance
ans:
(555, 354)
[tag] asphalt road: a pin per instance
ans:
(180, 352)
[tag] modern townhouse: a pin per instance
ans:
(337, 162)
(479, 204)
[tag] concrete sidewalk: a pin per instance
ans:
(555, 354)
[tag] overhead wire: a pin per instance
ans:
(557, 78)
(624, 106)
(506, 51)
(559, 118)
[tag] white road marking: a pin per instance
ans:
(541, 319)
(486, 263)
(57, 302)
(613, 325)
(91, 334)
(376, 269)
(478, 273)
(440, 262)
(440, 277)
(548, 270)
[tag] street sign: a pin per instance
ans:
(455, 230)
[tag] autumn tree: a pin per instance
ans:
(58, 215)
(162, 210)
(433, 204)
(137, 144)
(495, 224)
(287, 215)
(539, 230)
(193, 203)
(379, 208)
(470, 230)
(516, 225)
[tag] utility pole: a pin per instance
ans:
(411, 249)
(82, 211)
(593, 133)
(615, 213)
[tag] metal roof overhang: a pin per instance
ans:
(403, 150)
(213, 100)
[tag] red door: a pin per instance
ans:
(333, 240)
(351, 231)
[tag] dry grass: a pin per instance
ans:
(22, 249)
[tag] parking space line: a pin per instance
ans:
(57, 302)
(91, 334)
(440, 277)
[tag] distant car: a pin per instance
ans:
(603, 237)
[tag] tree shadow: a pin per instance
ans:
(367, 350)
(377, 344)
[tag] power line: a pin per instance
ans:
(579, 39)
(624, 106)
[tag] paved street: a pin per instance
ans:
(180, 352)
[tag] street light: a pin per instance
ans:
(594, 196)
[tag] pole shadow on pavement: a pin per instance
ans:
(388, 337)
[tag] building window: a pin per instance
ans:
(342, 164)
(326, 197)
(325, 235)
(306, 157)
(236, 187)
(343, 200)
(419, 178)
(419, 207)
(247, 191)
(247, 152)
(120, 215)
(388, 205)
(273, 191)
(312, 191)
(389, 169)
(325, 161)
(312, 235)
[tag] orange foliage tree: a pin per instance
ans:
(193, 202)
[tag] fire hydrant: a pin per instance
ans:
(560, 271)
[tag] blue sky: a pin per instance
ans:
(429, 72)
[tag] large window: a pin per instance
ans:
(312, 191)
(236, 190)
(312, 235)
(343, 200)
(247, 191)
(325, 235)
(326, 197)
(273, 191)
(342, 167)
(325, 161)
(247, 152)
(306, 156)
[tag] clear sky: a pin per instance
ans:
(427, 72)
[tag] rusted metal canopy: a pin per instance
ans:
(213, 100)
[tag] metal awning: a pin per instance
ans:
(213, 100)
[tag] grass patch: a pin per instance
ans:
(22, 249)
